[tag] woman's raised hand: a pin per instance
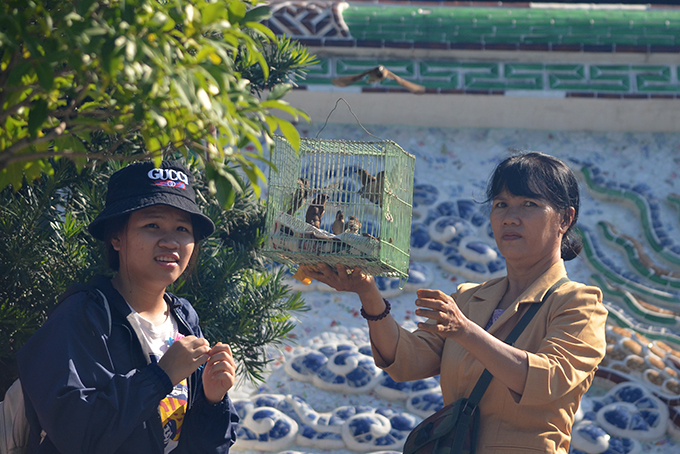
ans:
(219, 374)
(342, 278)
(184, 356)
(445, 316)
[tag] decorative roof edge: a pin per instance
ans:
(480, 26)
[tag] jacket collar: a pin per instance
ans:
(121, 307)
(116, 300)
(487, 297)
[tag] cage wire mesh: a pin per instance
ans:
(340, 201)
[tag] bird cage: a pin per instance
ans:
(339, 201)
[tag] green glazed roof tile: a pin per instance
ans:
(508, 24)
(620, 40)
(579, 39)
(659, 40)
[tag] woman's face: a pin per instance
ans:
(527, 230)
(156, 245)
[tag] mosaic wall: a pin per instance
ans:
(324, 393)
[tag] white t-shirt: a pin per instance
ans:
(173, 408)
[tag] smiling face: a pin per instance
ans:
(528, 231)
(155, 246)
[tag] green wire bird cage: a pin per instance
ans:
(339, 201)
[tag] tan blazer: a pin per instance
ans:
(565, 342)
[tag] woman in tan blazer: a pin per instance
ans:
(538, 382)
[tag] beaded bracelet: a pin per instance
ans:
(375, 318)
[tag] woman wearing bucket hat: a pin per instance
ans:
(121, 366)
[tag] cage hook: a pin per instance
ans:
(352, 112)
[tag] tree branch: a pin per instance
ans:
(12, 110)
(79, 98)
(27, 142)
(104, 156)
(5, 75)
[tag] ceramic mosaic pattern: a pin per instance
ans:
(326, 374)
(317, 19)
(630, 29)
(502, 77)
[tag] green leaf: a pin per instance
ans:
(290, 133)
(153, 144)
(37, 116)
(45, 75)
(221, 186)
(237, 11)
(69, 144)
(271, 123)
(83, 6)
(262, 29)
(18, 72)
(263, 64)
(212, 12)
(12, 175)
(33, 169)
(278, 104)
(258, 14)
(279, 91)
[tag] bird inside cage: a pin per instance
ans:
(337, 201)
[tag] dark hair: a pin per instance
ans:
(116, 225)
(112, 228)
(541, 176)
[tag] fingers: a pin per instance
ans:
(219, 374)
(436, 305)
(184, 356)
(220, 347)
(198, 348)
(316, 271)
(221, 353)
(445, 317)
(432, 294)
(443, 303)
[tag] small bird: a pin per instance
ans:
(299, 196)
(372, 185)
(339, 224)
(316, 210)
(378, 74)
(352, 225)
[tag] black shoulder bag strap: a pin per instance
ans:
(478, 391)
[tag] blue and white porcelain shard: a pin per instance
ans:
(630, 410)
(418, 277)
(342, 368)
(585, 410)
(348, 371)
(392, 390)
(456, 234)
(305, 415)
(589, 438)
(370, 430)
(309, 437)
(426, 402)
(304, 366)
(265, 429)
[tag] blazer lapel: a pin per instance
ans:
(533, 294)
(485, 301)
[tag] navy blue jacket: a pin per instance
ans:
(90, 386)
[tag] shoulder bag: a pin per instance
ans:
(454, 428)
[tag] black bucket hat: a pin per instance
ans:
(141, 185)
